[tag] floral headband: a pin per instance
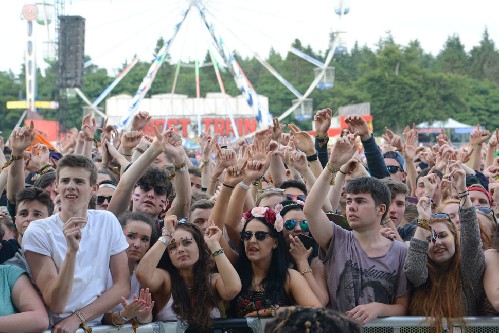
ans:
(279, 207)
(270, 216)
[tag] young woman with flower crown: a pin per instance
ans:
(268, 284)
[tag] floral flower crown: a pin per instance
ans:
(270, 216)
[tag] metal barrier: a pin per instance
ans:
(255, 325)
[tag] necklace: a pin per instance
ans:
(257, 286)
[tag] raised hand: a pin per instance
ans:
(479, 136)
(276, 129)
(343, 150)
(430, 183)
(393, 139)
(494, 139)
(299, 161)
(170, 223)
(40, 155)
(354, 168)
(322, 121)
(442, 138)
(302, 140)
(358, 125)
(88, 126)
(21, 138)
(458, 177)
(171, 143)
(234, 174)
(424, 207)
(212, 236)
(107, 157)
(131, 139)
(140, 121)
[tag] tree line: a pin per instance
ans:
(403, 83)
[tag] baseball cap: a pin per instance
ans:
(396, 156)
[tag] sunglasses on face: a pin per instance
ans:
(259, 235)
(293, 197)
(159, 190)
(394, 168)
(102, 198)
(291, 225)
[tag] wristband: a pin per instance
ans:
(229, 186)
(312, 158)
(422, 223)
(181, 166)
(163, 240)
(244, 186)
(217, 252)
(89, 139)
(318, 136)
(83, 320)
(122, 317)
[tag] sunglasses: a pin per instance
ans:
(441, 216)
(159, 190)
(394, 168)
(487, 211)
(293, 197)
(259, 235)
(271, 189)
(102, 198)
(291, 225)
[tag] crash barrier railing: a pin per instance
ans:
(256, 325)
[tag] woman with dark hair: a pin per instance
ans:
(268, 284)
(445, 265)
(303, 249)
(140, 232)
(179, 268)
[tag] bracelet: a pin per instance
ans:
(128, 155)
(83, 325)
(122, 317)
(114, 324)
(140, 150)
(244, 186)
(332, 169)
(425, 224)
(305, 271)
(89, 139)
(229, 186)
(217, 252)
(463, 195)
(312, 157)
(16, 158)
(318, 136)
(104, 165)
(204, 189)
(257, 181)
(163, 240)
(178, 167)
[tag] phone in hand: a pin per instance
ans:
(307, 241)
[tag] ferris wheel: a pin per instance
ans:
(227, 29)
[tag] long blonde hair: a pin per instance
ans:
(440, 296)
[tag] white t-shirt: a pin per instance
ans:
(101, 238)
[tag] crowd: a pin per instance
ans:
(131, 228)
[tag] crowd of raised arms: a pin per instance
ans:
(133, 228)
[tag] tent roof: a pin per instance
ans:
(449, 123)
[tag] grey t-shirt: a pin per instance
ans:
(353, 278)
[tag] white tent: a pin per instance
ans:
(450, 124)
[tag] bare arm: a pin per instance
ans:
(32, 316)
(20, 139)
(147, 274)
(299, 288)
(121, 196)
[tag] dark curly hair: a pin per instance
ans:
(311, 320)
(195, 306)
(156, 177)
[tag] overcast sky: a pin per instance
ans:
(116, 30)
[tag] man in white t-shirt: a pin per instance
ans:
(70, 254)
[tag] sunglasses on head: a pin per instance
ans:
(159, 190)
(441, 216)
(102, 198)
(293, 197)
(259, 235)
(488, 211)
(394, 169)
(434, 236)
(291, 225)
